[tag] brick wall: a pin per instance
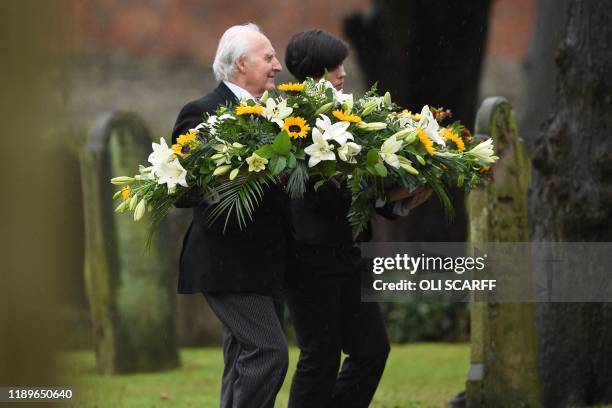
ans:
(191, 28)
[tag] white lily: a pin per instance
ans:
(162, 154)
(336, 131)
(212, 122)
(484, 152)
(320, 150)
(171, 174)
(256, 162)
(276, 112)
(344, 99)
(324, 84)
(388, 150)
(348, 151)
(428, 123)
(405, 120)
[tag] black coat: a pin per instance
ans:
(251, 260)
(320, 217)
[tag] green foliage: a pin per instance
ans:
(282, 144)
(296, 184)
(420, 321)
(277, 165)
(239, 197)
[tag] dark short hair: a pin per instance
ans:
(311, 52)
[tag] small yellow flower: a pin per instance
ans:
(126, 192)
(427, 144)
(249, 110)
(295, 87)
(296, 127)
(345, 116)
(448, 134)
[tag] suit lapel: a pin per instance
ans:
(225, 93)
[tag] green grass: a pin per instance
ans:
(417, 375)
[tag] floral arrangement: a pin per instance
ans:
(308, 131)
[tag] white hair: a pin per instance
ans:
(232, 46)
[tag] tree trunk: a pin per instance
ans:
(536, 103)
(571, 202)
(425, 52)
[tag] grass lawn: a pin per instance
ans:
(417, 375)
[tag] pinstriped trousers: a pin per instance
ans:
(254, 349)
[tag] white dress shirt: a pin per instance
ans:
(240, 92)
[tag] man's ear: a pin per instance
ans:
(241, 64)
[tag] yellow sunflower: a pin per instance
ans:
(296, 87)
(448, 134)
(345, 116)
(249, 110)
(426, 142)
(185, 143)
(178, 149)
(296, 127)
(187, 137)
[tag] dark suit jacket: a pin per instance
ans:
(251, 260)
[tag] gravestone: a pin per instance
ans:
(504, 366)
(130, 289)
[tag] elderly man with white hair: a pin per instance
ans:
(240, 271)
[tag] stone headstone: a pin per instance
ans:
(130, 288)
(504, 366)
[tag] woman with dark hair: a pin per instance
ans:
(326, 270)
(317, 53)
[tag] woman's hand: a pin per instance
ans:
(410, 199)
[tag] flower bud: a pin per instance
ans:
(140, 209)
(377, 125)
(264, 97)
(132, 202)
(118, 181)
(368, 108)
(460, 180)
(404, 133)
(372, 126)
(234, 173)
(237, 145)
(387, 99)
(217, 156)
(324, 109)
(219, 171)
(420, 159)
(121, 207)
(409, 168)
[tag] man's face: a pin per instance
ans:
(259, 68)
